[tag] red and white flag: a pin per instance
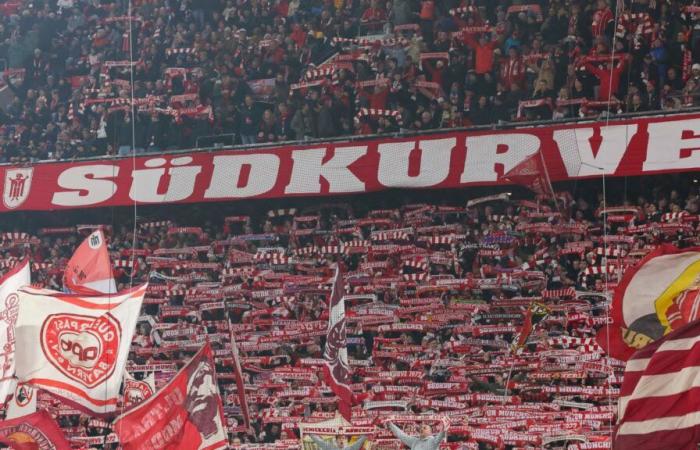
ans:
(136, 391)
(76, 347)
(659, 405)
(36, 431)
(13, 280)
(89, 271)
(652, 298)
(187, 414)
(532, 174)
(337, 369)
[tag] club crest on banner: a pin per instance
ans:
(23, 395)
(17, 185)
(9, 317)
(82, 348)
(136, 391)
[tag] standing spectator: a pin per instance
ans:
(609, 78)
(484, 50)
(247, 127)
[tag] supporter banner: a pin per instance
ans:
(447, 160)
(35, 431)
(186, 413)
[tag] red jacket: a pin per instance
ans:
(483, 54)
(609, 82)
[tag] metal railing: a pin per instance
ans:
(399, 134)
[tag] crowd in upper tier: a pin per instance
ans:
(223, 72)
(437, 297)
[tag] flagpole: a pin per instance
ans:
(546, 175)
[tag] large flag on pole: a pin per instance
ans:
(187, 414)
(76, 347)
(337, 369)
(659, 404)
(651, 300)
(89, 271)
(532, 173)
(16, 278)
(36, 431)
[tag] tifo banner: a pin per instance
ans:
(442, 160)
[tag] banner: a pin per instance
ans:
(10, 283)
(76, 347)
(186, 414)
(640, 146)
(337, 369)
(136, 391)
(35, 431)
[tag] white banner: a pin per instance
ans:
(76, 347)
(16, 278)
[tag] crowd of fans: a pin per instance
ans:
(437, 297)
(258, 71)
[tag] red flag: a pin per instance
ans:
(36, 431)
(187, 414)
(336, 369)
(89, 271)
(658, 405)
(532, 174)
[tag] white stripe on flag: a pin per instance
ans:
(663, 385)
(661, 424)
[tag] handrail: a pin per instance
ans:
(399, 134)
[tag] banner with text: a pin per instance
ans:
(443, 160)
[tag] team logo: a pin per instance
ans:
(18, 182)
(136, 391)
(23, 395)
(82, 348)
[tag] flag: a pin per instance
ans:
(136, 391)
(23, 402)
(534, 315)
(16, 278)
(336, 369)
(650, 300)
(532, 174)
(76, 347)
(36, 431)
(240, 385)
(89, 271)
(659, 404)
(187, 414)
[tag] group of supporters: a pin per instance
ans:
(476, 316)
(257, 71)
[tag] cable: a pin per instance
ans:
(133, 140)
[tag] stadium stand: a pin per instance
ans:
(439, 283)
(437, 292)
(241, 72)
